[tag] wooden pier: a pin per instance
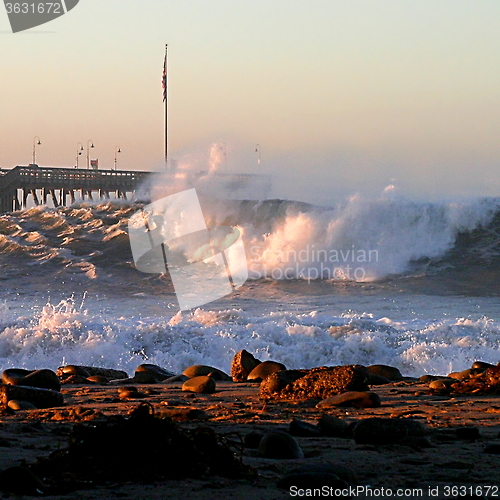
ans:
(62, 184)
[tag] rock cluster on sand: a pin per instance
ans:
(29, 389)
(245, 367)
(76, 374)
(43, 379)
(41, 398)
(317, 383)
(481, 378)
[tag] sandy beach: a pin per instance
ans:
(442, 458)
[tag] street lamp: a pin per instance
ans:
(36, 142)
(117, 150)
(79, 149)
(257, 150)
(90, 144)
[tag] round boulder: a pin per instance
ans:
(442, 384)
(42, 379)
(155, 371)
(379, 431)
(356, 399)
(201, 384)
(389, 372)
(280, 445)
(264, 369)
(332, 426)
(482, 365)
(204, 370)
(19, 404)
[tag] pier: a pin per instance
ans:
(63, 184)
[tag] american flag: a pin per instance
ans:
(164, 78)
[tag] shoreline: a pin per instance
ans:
(445, 459)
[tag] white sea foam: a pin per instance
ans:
(364, 240)
(65, 333)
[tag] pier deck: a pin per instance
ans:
(61, 184)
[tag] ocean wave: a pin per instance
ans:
(361, 240)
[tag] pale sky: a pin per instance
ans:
(342, 96)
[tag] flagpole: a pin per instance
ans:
(165, 98)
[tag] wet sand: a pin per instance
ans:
(446, 460)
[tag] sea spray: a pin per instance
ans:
(62, 333)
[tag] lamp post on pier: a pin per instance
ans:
(257, 150)
(90, 144)
(79, 149)
(36, 142)
(117, 150)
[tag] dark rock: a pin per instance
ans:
(252, 439)
(41, 398)
(220, 376)
(442, 385)
(201, 384)
(203, 370)
(87, 371)
(416, 442)
(19, 404)
(355, 399)
(44, 379)
(241, 366)
(264, 369)
(129, 394)
(468, 433)
(303, 429)
(144, 378)
(414, 427)
(482, 365)
(389, 372)
(76, 379)
(278, 381)
(333, 426)
(138, 448)
(318, 383)
(280, 445)
(155, 371)
(385, 430)
(377, 380)
(69, 370)
(487, 382)
(465, 374)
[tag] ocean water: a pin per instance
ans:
(388, 280)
